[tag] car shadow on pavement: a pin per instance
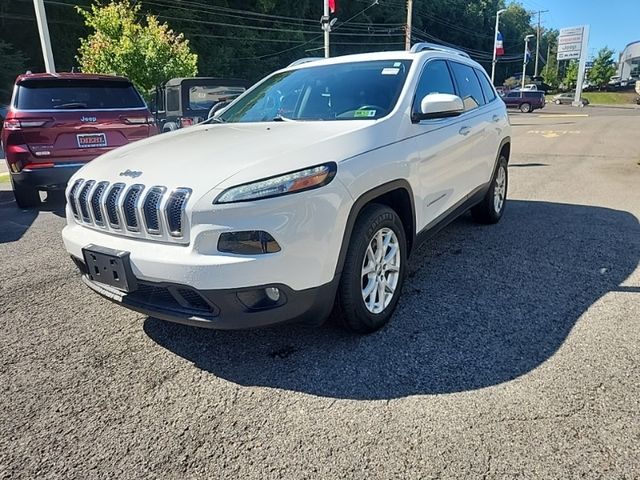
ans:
(15, 221)
(482, 305)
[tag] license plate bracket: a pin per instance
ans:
(110, 267)
(91, 140)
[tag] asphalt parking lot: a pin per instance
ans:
(515, 351)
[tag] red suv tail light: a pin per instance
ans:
(15, 124)
(186, 122)
(144, 120)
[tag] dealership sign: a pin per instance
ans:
(570, 43)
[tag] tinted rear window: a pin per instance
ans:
(76, 95)
(533, 94)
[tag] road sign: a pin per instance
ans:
(570, 43)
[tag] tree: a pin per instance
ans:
(603, 68)
(147, 52)
(12, 64)
(571, 76)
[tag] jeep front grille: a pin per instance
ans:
(130, 209)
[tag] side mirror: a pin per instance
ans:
(439, 105)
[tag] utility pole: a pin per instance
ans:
(409, 27)
(495, 43)
(326, 27)
(45, 40)
(540, 12)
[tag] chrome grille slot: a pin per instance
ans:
(151, 209)
(73, 195)
(112, 204)
(174, 210)
(130, 207)
(83, 200)
(132, 210)
(96, 203)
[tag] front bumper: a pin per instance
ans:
(50, 178)
(220, 309)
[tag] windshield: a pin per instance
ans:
(348, 91)
(204, 97)
(59, 94)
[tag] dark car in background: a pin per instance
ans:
(182, 102)
(525, 100)
(59, 122)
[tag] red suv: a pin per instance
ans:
(58, 122)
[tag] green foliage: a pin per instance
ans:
(12, 64)
(603, 68)
(148, 52)
(571, 75)
(550, 75)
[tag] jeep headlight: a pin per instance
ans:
(293, 182)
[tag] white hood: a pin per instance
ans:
(204, 156)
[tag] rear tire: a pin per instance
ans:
(372, 277)
(491, 209)
(525, 108)
(25, 197)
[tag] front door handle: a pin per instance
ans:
(465, 131)
(496, 118)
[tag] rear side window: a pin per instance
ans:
(204, 97)
(533, 94)
(469, 86)
(61, 94)
(435, 79)
(487, 89)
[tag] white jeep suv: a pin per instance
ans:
(306, 194)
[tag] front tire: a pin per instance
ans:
(374, 270)
(25, 197)
(491, 209)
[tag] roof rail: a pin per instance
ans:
(300, 61)
(421, 47)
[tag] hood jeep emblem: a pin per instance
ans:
(130, 173)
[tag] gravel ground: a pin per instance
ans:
(514, 353)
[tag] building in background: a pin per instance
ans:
(629, 65)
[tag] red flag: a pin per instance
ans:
(332, 6)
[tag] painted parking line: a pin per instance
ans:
(563, 115)
(553, 133)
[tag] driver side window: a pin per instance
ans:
(435, 78)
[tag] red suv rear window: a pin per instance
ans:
(58, 94)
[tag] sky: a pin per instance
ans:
(614, 23)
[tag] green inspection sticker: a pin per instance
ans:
(364, 113)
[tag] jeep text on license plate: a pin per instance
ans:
(91, 140)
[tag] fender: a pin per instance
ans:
(361, 202)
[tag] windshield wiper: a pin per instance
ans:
(71, 105)
(215, 120)
(280, 118)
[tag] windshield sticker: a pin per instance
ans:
(390, 71)
(397, 64)
(364, 113)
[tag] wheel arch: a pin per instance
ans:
(397, 195)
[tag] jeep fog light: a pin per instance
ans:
(254, 242)
(262, 298)
(272, 293)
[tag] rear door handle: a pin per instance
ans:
(465, 131)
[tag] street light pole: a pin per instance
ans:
(45, 40)
(524, 62)
(495, 42)
(326, 26)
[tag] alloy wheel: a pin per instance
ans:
(380, 270)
